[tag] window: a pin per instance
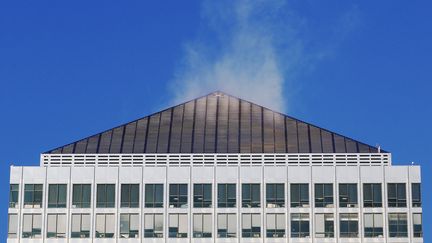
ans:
(300, 225)
(372, 196)
(178, 225)
(56, 226)
(81, 195)
(12, 226)
(57, 196)
(178, 196)
(275, 195)
(251, 196)
(275, 225)
(129, 196)
(226, 195)
(202, 225)
(153, 196)
(33, 196)
(32, 226)
(373, 225)
(323, 195)
(105, 197)
(153, 225)
(202, 195)
(80, 226)
(348, 195)
(396, 195)
(416, 195)
(13, 195)
(324, 225)
(348, 225)
(299, 195)
(251, 225)
(105, 225)
(129, 225)
(398, 226)
(417, 225)
(227, 225)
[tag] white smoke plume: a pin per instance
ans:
(257, 55)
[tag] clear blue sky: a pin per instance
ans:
(71, 69)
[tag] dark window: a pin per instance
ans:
(275, 225)
(373, 225)
(105, 196)
(251, 196)
(275, 195)
(129, 196)
(202, 225)
(324, 225)
(251, 225)
(153, 196)
(33, 195)
(416, 195)
(202, 195)
(300, 225)
(226, 195)
(299, 195)
(398, 226)
(57, 196)
(348, 195)
(323, 195)
(372, 196)
(396, 195)
(81, 195)
(178, 195)
(349, 225)
(13, 195)
(153, 225)
(417, 225)
(227, 225)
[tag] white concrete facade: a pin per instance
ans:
(213, 173)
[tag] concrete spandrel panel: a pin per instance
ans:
(58, 174)
(371, 174)
(202, 174)
(396, 174)
(250, 174)
(154, 174)
(106, 174)
(347, 174)
(34, 174)
(227, 174)
(15, 174)
(276, 174)
(130, 174)
(323, 174)
(82, 174)
(178, 174)
(415, 174)
(299, 174)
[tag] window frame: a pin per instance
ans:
(174, 232)
(323, 197)
(14, 195)
(178, 198)
(375, 231)
(401, 228)
(253, 231)
(417, 231)
(202, 195)
(302, 224)
(57, 233)
(104, 234)
(326, 224)
(273, 199)
(130, 232)
(199, 226)
(130, 195)
(352, 222)
(416, 195)
(225, 197)
(348, 198)
(223, 219)
(302, 190)
(103, 198)
(83, 233)
(36, 233)
(278, 231)
(153, 232)
(397, 200)
(375, 200)
(251, 201)
(154, 190)
(12, 226)
(34, 192)
(78, 201)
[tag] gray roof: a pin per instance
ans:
(216, 123)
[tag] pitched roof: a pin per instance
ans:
(216, 123)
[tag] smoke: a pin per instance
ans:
(257, 54)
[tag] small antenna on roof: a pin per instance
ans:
(379, 148)
(412, 162)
